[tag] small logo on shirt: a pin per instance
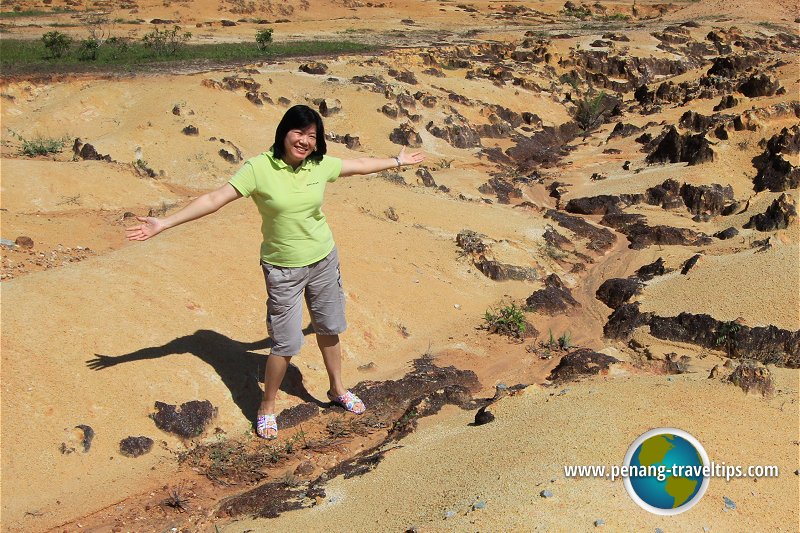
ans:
(312, 183)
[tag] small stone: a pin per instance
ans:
(599, 523)
(659, 530)
(546, 494)
(729, 504)
(457, 306)
(449, 514)
(480, 504)
(8, 242)
(135, 446)
(305, 468)
(24, 242)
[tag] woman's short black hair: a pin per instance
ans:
(299, 117)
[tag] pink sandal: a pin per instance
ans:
(349, 401)
(266, 423)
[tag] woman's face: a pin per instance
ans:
(299, 144)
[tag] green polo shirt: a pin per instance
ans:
(295, 231)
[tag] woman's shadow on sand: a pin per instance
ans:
(240, 369)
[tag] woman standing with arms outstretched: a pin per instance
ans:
(298, 255)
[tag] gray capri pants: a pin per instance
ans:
(321, 282)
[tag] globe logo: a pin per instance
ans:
(668, 471)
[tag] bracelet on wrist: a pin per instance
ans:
(397, 159)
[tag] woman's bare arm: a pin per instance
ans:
(197, 208)
(368, 165)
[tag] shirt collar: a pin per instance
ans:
(281, 164)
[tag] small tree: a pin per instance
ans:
(87, 51)
(263, 38)
(166, 42)
(56, 43)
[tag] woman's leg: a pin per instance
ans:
(332, 355)
(273, 376)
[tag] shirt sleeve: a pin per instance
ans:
(244, 181)
(333, 166)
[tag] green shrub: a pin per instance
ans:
(87, 50)
(117, 47)
(565, 341)
(40, 145)
(581, 12)
(588, 115)
(509, 320)
(165, 42)
(264, 38)
(56, 43)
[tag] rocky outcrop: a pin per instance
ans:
(314, 67)
(504, 189)
(406, 135)
(473, 244)
(581, 362)
(776, 172)
(544, 148)
(457, 131)
(642, 235)
(676, 148)
(554, 299)
(781, 214)
(766, 344)
(759, 85)
(599, 239)
(616, 291)
(650, 271)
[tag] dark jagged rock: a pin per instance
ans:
(616, 291)
(233, 83)
(727, 233)
(641, 235)
(544, 148)
(727, 102)
(554, 238)
(731, 66)
(190, 130)
(253, 97)
(403, 75)
(553, 299)
(691, 120)
(781, 214)
(676, 365)
(390, 110)
(623, 130)
(88, 153)
(314, 67)
(667, 195)
(352, 142)
(406, 135)
(674, 148)
(600, 239)
(620, 220)
(503, 272)
(329, 107)
(648, 272)
(504, 189)
(581, 362)
(471, 242)
(483, 416)
(187, 421)
(759, 85)
(690, 263)
(427, 178)
(767, 344)
(775, 172)
(602, 204)
(457, 131)
(624, 320)
(135, 446)
(373, 83)
(710, 199)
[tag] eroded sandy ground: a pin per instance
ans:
(95, 330)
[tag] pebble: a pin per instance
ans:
(562, 392)
(729, 504)
(706, 529)
(480, 504)
(659, 530)
(449, 514)
(546, 494)
(457, 306)
(8, 242)
(599, 523)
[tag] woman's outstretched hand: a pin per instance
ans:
(410, 159)
(150, 227)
